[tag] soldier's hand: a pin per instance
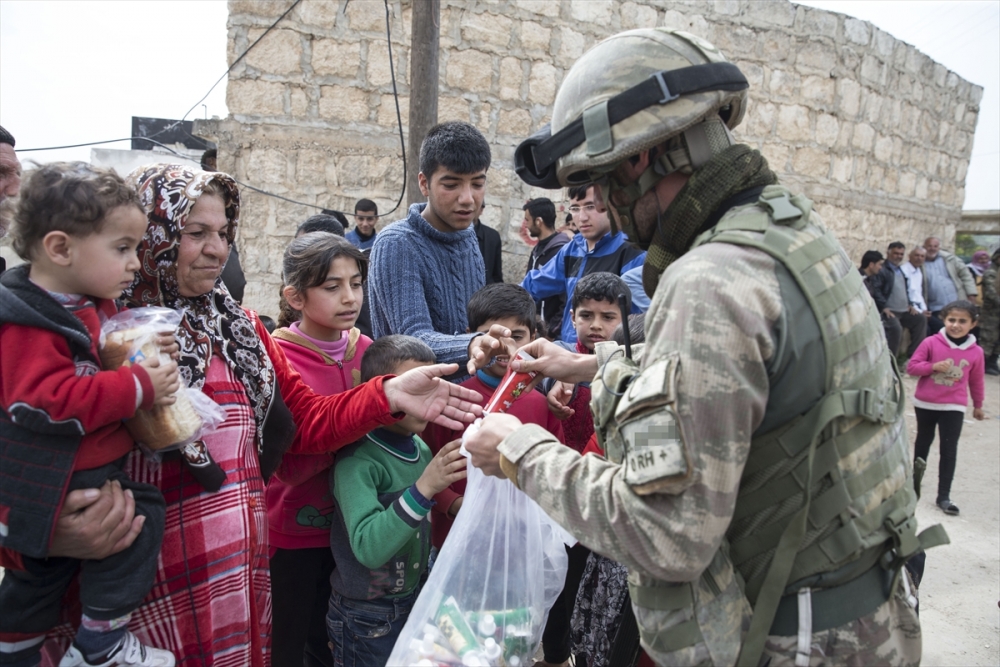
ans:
(556, 362)
(482, 445)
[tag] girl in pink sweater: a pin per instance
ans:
(322, 296)
(950, 366)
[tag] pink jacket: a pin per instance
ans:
(299, 502)
(947, 391)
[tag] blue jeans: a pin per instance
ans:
(363, 632)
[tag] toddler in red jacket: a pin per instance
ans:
(77, 227)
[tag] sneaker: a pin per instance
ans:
(129, 651)
(948, 507)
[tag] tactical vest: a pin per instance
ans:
(825, 497)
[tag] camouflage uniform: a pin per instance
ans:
(727, 313)
(757, 462)
(989, 321)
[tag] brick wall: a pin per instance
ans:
(878, 134)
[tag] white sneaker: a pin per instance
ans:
(129, 651)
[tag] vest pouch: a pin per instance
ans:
(692, 623)
(656, 456)
(606, 391)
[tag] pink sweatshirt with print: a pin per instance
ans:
(949, 390)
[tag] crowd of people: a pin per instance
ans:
(951, 311)
(718, 423)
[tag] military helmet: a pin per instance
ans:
(629, 93)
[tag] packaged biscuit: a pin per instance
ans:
(130, 337)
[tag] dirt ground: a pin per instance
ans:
(961, 585)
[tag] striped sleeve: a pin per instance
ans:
(412, 507)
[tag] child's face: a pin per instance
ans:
(958, 323)
(521, 334)
(595, 321)
(409, 424)
(332, 307)
(103, 264)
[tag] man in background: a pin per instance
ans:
(948, 279)
(365, 218)
(10, 182)
(540, 221)
(898, 300)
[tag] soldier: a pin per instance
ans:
(757, 483)
(989, 322)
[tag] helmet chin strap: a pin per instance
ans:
(685, 153)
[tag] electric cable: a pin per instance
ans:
(395, 95)
(193, 107)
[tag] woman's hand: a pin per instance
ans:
(95, 523)
(482, 445)
(978, 414)
(422, 393)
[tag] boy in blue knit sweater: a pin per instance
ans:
(381, 533)
(426, 267)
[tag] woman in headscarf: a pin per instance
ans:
(211, 601)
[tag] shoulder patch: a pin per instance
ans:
(656, 458)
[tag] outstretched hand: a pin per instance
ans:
(420, 392)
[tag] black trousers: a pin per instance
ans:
(949, 426)
(31, 599)
(557, 636)
(916, 325)
(300, 594)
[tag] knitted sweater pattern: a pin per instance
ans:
(419, 281)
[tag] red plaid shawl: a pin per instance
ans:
(211, 604)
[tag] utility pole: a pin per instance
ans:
(425, 41)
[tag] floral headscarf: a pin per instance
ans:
(212, 323)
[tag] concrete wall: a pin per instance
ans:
(878, 134)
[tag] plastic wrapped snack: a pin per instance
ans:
(499, 572)
(128, 338)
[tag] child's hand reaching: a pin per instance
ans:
(446, 467)
(165, 378)
(559, 398)
(978, 414)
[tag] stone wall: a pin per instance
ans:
(878, 134)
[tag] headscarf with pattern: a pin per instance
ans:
(212, 323)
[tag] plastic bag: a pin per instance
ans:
(493, 583)
(130, 337)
